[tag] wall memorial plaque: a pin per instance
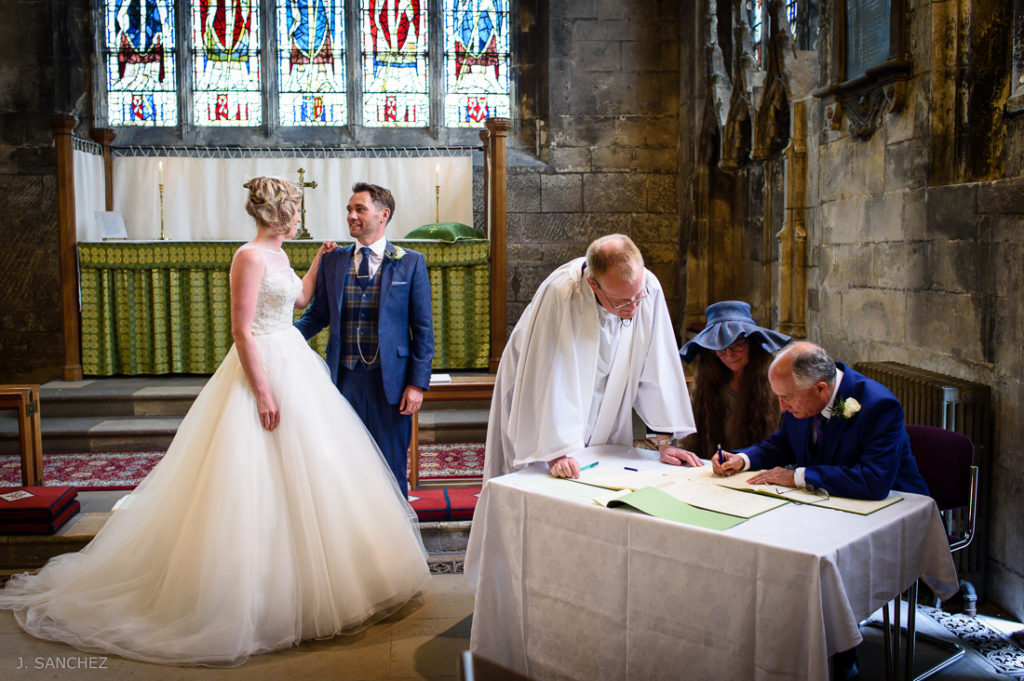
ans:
(868, 29)
(869, 64)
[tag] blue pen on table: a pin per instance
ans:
(631, 469)
(589, 465)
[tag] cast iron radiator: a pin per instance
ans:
(933, 399)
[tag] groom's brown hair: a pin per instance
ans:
(381, 197)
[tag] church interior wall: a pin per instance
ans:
(31, 339)
(607, 159)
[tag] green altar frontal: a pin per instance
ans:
(164, 307)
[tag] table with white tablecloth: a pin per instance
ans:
(567, 589)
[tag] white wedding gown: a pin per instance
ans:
(241, 540)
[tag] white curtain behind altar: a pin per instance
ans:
(204, 198)
(89, 194)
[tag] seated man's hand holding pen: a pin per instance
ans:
(726, 463)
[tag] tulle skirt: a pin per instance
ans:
(240, 541)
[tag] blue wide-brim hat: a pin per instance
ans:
(727, 321)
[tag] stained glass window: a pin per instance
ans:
(755, 10)
(140, 56)
(803, 22)
(476, 47)
(415, 59)
(395, 63)
(226, 63)
(311, 62)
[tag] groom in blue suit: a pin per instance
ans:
(842, 432)
(375, 296)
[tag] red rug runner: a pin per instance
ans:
(125, 470)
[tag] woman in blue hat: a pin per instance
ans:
(733, 403)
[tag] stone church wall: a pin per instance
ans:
(605, 158)
(31, 340)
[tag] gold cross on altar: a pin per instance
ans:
(303, 233)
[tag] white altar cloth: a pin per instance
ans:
(566, 589)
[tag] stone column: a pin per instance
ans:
(793, 237)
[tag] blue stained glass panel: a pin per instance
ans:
(226, 63)
(140, 62)
(476, 58)
(395, 63)
(311, 62)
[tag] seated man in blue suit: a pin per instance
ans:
(841, 432)
(375, 297)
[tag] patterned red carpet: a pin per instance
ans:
(124, 470)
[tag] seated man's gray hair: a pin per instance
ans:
(811, 363)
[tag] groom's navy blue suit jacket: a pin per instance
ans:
(405, 329)
(861, 457)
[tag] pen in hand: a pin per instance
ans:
(721, 457)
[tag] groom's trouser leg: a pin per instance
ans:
(364, 389)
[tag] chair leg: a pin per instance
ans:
(887, 637)
(911, 630)
(892, 632)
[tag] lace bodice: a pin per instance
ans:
(279, 288)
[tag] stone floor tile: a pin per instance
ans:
(428, 648)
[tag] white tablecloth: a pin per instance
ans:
(566, 589)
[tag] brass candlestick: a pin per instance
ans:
(162, 237)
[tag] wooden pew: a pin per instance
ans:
(460, 389)
(25, 399)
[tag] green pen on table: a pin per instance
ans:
(589, 465)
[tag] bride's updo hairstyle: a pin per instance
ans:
(272, 202)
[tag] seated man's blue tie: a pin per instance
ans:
(363, 273)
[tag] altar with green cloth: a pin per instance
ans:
(163, 307)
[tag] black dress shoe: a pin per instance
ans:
(844, 666)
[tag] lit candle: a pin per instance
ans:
(160, 167)
(437, 175)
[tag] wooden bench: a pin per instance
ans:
(460, 389)
(25, 399)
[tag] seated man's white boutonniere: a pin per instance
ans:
(845, 408)
(395, 253)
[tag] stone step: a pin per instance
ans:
(142, 414)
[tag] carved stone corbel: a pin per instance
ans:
(866, 110)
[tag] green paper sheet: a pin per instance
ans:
(654, 501)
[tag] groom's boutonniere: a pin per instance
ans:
(845, 408)
(395, 253)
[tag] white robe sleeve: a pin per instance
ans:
(545, 378)
(662, 398)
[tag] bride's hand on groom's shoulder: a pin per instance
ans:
(328, 246)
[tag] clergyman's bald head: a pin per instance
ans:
(614, 251)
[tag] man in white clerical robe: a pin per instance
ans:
(595, 343)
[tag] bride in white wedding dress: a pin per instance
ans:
(272, 518)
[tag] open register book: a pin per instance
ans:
(693, 486)
(802, 496)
